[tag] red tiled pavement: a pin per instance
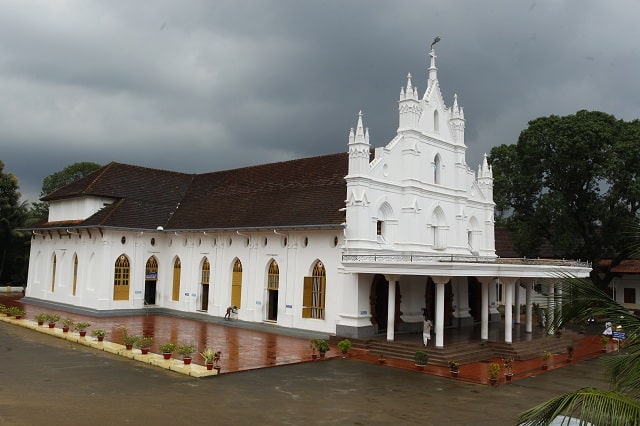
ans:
(246, 349)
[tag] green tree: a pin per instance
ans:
(57, 180)
(12, 242)
(573, 182)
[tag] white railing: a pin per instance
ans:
(426, 259)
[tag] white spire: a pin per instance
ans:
(360, 130)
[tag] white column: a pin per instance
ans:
(552, 307)
(516, 302)
(484, 315)
(439, 325)
(508, 283)
(529, 307)
(391, 307)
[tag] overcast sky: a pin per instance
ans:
(199, 86)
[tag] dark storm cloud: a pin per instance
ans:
(197, 86)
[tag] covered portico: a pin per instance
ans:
(442, 269)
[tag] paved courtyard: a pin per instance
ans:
(46, 380)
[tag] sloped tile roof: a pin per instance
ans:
(308, 192)
(627, 266)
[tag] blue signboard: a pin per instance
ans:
(620, 335)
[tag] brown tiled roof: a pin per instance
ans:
(627, 266)
(505, 247)
(308, 192)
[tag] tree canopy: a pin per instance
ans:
(572, 182)
(57, 180)
(13, 251)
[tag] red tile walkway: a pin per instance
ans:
(246, 349)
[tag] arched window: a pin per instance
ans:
(438, 229)
(53, 273)
(75, 274)
(121, 278)
(314, 293)
(436, 122)
(437, 165)
(177, 269)
(206, 272)
(236, 284)
(273, 280)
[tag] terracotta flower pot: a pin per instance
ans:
(100, 338)
(129, 347)
(545, 367)
(186, 360)
(166, 355)
(65, 329)
(52, 324)
(420, 367)
(454, 373)
(144, 351)
(314, 356)
(40, 322)
(493, 381)
(210, 366)
(508, 377)
(83, 333)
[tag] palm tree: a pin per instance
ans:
(620, 405)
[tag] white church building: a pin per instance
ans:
(359, 243)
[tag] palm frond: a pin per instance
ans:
(592, 406)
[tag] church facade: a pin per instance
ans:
(359, 243)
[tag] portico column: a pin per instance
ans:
(509, 283)
(516, 302)
(391, 307)
(552, 306)
(484, 313)
(528, 308)
(439, 325)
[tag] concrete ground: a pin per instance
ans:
(46, 380)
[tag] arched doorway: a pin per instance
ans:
(204, 285)
(236, 284)
(379, 304)
(273, 283)
(150, 280)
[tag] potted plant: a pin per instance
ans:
(167, 349)
(344, 346)
(323, 347)
(313, 345)
(99, 333)
(546, 356)
(81, 327)
(41, 318)
(420, 358)
(569, 353)
(128, 339)
(508, 368)
(209, 356)
(605, 341)
(454, 368)
(67, 323)
(494, 369)
(185, 351)
(52, 319)
(382, 359)
(144, 343)
(15, 311)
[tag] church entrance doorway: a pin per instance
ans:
(150, 280)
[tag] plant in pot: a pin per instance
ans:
(508, 368)
(128, 339)
(52, 319)
(209, 356)
(313, 345)
(67, 323)
(493, 369)
(604, 340)
(81, 327)
(454, 368)
(546, 356)
(323, 347)
(15, 311)
(382, 359)
(99, 334)
(41, 318)
(344, 346)
(3, 309)
(167, 349)
(144, 343)
(420, 358)
(185, 351)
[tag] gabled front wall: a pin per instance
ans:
(76, 208)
